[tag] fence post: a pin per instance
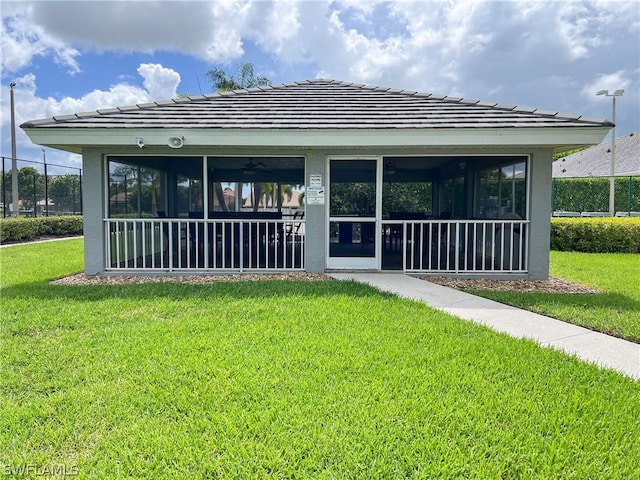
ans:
(35, 196)
(4, 191)
(80, 185)
(46, 186)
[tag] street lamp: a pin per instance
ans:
(612, 169)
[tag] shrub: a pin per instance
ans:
(15, 229)
(596, 235)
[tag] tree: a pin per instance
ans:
(566, 153)
(64, 191)
(244, 77)
(30, 186)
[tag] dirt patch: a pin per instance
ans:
(552, 285)
(82, 279)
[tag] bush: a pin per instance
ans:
(596, 235)
(15, 229)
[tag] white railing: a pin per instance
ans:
(458, 246)
(174, 245)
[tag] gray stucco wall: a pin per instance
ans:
(540, 214)
(93, 183)
(315, 216)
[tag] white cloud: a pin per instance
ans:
(546, 54)
(21, 40)
(273, 26)
(610, 81)
(437, 46)
(160, 82)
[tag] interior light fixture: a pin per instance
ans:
(390, 169)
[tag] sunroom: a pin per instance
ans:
(316, 176)
(437, 214)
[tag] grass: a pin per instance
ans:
(615, 311)
(286, 379)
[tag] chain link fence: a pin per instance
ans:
(44, 189)
(577, 194)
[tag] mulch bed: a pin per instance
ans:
(82, 279)
(552, 285)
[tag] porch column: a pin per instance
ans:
(315, 218)
(93, 211)
(540, 214)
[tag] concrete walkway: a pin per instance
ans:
(28, 242)
(603, 350)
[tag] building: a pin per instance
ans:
(596, 161)
(391, 179)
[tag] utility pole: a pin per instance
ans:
(14, 161)
(612, 166)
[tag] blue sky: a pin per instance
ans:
(76, 56)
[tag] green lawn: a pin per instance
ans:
(286, 379)
(615, 311)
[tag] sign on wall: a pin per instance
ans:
(315, 180)
(315, 195)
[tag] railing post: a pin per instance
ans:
(170, 241)
(241, 245)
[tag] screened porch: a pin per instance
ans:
(416, 214)
(429, 214)
(205, 213)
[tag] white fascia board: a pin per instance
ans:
(74, 139)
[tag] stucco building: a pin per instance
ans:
(384, 179)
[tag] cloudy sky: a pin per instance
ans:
(77, 56)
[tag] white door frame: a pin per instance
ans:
(356, 263)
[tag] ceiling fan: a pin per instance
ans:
(252, 167)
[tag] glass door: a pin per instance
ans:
(354, 224)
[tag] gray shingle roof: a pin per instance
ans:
(595, 161)
(318, 104)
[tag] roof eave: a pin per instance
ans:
(559, 138)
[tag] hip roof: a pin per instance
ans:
(318, 104)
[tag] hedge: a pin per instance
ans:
(592, 194)
(21, 228)
(596, 235)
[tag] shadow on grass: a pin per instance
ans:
(171, 290)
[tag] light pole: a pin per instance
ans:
(612, 169)
(15, 198)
